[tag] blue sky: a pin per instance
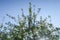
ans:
(13, 7)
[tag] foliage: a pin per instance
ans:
(28, 28)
